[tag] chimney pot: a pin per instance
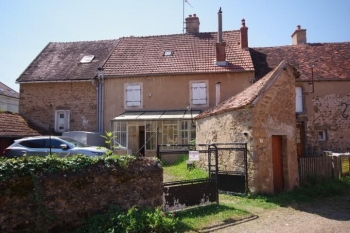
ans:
(298, 26)
(194, 15)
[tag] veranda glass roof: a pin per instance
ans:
(158, 115)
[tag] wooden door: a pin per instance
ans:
(277, 163)
(300, 139)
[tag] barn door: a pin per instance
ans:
(277, 163)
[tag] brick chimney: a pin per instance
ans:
(244, 35)
(220, 45)
(299, 36)
(192, 24)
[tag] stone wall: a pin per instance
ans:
(54, 202)
(274, 114)
(39, 101)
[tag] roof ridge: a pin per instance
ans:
(313, 43)
(178, 34)
(87, 41)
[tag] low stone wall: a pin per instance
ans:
(60, 201)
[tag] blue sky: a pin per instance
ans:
(27, 26)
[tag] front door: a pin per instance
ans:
(277, 163)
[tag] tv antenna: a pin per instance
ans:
(183, 14)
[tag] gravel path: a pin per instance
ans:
(330, 215)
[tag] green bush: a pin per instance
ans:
(23, 166)
(135, 220)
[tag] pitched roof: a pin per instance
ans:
(61, 61)
(247, 97)
(191, 53)
(7, 91)
(331, 60)
(13, 125)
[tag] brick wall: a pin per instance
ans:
(39, 101)
(61, 201)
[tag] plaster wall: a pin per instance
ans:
(9, 104)
(170, 92)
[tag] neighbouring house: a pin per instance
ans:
(61, 89)
(162, 82)
(322, 90)
(13, 126)
(9, 99)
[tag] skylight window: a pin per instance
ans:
(168, 53)
(87, 59)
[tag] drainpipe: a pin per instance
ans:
(97, 98)
(217, 85)
(100, 77)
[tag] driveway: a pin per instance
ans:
(329, 215)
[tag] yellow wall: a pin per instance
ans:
(170, 92)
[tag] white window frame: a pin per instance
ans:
(66, 123)
(197, 97)
(120, 133)
(299, 107)
(133, 95)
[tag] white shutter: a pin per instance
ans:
(199, 93)
(298, 99)
(133, 95)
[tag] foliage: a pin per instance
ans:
(179, 170)
(135, 220)
(23, 166)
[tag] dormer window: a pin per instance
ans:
(168, 53)
(87, 59)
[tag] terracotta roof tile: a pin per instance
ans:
(331, 60)
(13, 125)
(244, 98)
(61, 61)
(192, 53)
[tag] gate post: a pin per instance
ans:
(216, 167)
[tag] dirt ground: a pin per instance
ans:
(329, 215)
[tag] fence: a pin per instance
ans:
(324, 166)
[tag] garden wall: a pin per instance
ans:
(55, 202)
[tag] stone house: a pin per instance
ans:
(162, 82)
(12, 127)
(9, 99)
(60, 90)
(322, 90)
(263, 116)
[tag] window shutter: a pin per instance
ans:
(133, 95)
(298, 99)
(199, 93)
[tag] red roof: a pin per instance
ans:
(191, 53)
(331, 61)
(13, 125)
(245, 98)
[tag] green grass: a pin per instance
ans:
(179, 171)
(235, 208)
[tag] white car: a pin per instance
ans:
(55, 145)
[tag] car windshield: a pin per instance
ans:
(74, 142)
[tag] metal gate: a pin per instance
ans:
(187, 180)
(232, 167)
(194, 174)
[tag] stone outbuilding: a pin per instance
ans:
(263, 116)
